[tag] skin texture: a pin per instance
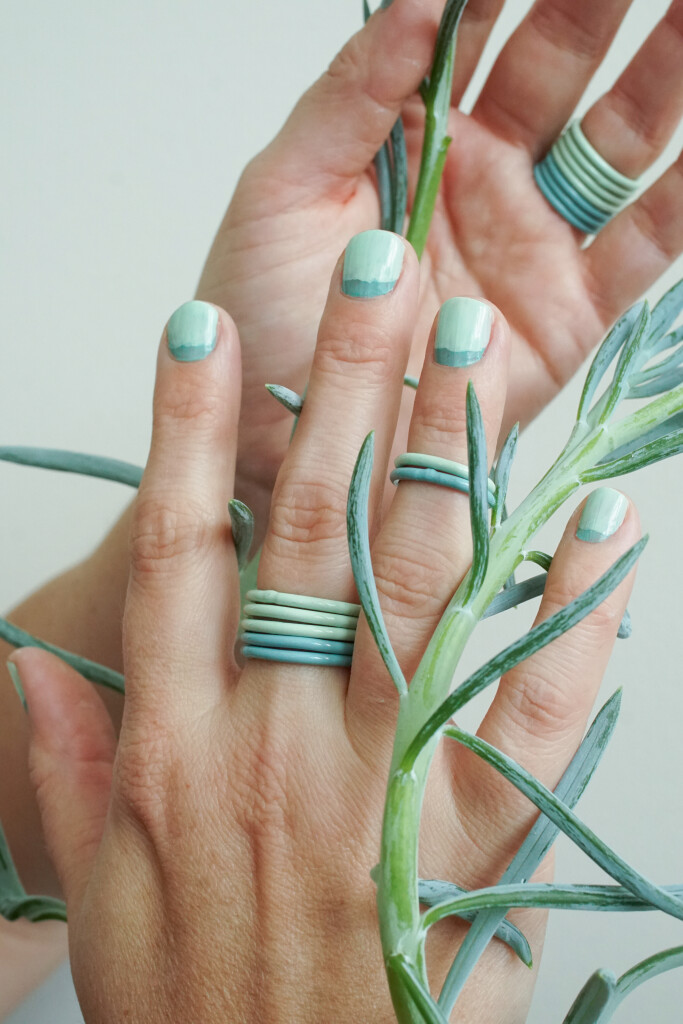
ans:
(216, 862)
(297, 205)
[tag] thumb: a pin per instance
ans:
(71, 760)
(342, 120)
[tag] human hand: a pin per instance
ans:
(216, 864)
(493, 234)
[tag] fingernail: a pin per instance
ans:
(16, 679)
(191, 331)
(372, 264)
(602, 515)
(462, 332)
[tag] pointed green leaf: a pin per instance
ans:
(399, 965)
(593, 1000)
(667, 310)
(361, 562)
(382, 163)
(292, 402)
(659, 963)
(523, 648)
(540, 838)
(445, 42)
(662, 448)
(567, 821)
(242, 520)
(501, 474)
(90, 669)
(479, 507)
(605, 355)
(399, 177)
(14, 903)
(631, 358)
(73, 462)
(666, 381)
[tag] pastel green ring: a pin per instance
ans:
(294, 629)
(581, 181)
(421, 461)
(296, 657)
(573, 164)
(315, 604)
(578, 155)
(576, 133)
(432, 476)
(297, 643)
(257, 609)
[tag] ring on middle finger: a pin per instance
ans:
(434, 470)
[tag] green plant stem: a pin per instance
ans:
(399, 913)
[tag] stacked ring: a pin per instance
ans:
(294, 628)
(431, 469)
(580, 184)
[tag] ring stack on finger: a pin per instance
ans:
(580, 184)
(298, 629)
(432, 470)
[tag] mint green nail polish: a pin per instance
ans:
(191, 331)
(602, 515)
(372, 264)
(462, 332)
(16, 679)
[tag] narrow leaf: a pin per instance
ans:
(399, 177)
(90, 669)
(659, 963)
(662, 448)
(593, 1000)
(361, 562)
(501, 474)
(666, 381)
(632, 354)
(605, 355)
(383, 170)
(242, 521)
(432, 892)
(399, 965)
(479, 507)
(668, 426)
(74, 462)
(523, 648)
(568, 822)
(667, 310)
(411, 382)
(292, 402)
(33, 908)
(538, 842)
(445, 40)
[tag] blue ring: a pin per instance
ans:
(297, 643)
(563, 184)
(561, 204)
(432, 476)
(296, 657)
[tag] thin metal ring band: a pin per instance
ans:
(421, 461)
(591, 214)
(560, 203)
(277, 611)
(432, 476)
(294, 629)
(316, 604)
(606, 170)
(296, 657)
(297, 643)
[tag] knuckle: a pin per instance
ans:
(541, 705)
(348, 69)
(441, 421)
(182, 407)
(145, 771)
(412, 587)
(161, 533)
(358, 351)
(307, 512)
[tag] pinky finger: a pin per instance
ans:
(642, 242)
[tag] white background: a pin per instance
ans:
(124, 129)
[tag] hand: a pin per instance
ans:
(216, 865)
(493, 235)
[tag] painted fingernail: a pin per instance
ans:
(191, 331)
(602, 515)
(16, 679)
(462, 332)
(372, 264)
